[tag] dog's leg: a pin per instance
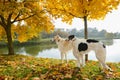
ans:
(76, 54)
(101, 56)
(78, 63)
(62, 56)
(66, 57)
(82, 60)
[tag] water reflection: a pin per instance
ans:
(32, 50)
(108, 42)
(113, 52)
(50, 51)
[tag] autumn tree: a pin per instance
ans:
(85, 9)
(22, 20)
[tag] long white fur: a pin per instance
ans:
(98, 48)
(64, 46)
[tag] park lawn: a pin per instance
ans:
(19, 67)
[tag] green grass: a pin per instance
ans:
(19, 67)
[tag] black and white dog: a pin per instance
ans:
(83, 46)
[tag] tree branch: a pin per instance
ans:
(9, 18)
(25, 18)
(15, 20)
(2, 21)
(16, 17)
(1, 24)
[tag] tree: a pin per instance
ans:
(22, 20)
(85, 9)
(109, 35)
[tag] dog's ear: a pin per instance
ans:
(71, 37)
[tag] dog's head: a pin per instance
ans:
(56, 38)
(71, 37)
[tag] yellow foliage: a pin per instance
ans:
(2, 33)
(27, 19)
(99, 77)
(32, 16)
(93, 9)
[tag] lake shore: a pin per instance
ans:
(28, 43)
(21, 67)
(47, 49)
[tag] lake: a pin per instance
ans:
(47, 51)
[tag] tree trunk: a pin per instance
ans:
(9, 39)
(85, 34)
(6, 24)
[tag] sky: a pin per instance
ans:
(111, 23)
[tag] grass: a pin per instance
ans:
(19, 67)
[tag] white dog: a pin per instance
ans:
(82, 46)
(64, 46)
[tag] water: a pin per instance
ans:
(113, 51)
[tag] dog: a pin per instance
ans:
(83, 46)
(64, 46)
